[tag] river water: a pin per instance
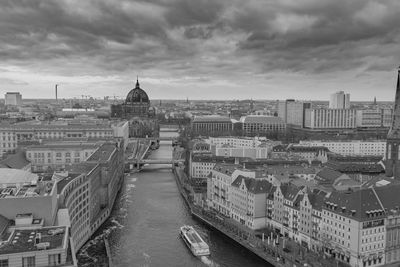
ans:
(144, 227)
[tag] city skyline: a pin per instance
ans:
(201, 49)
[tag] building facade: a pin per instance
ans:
(351, 148)
(212, 125)
(13, 99)
(262, 125)
(292, 112)
(330, 118)
(339, 100)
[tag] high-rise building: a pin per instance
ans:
(393, 138)
(292, 112)
(339, 100)
(13, 99)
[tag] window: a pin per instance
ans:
(58, 154)
(54, 259)
(4, 263)
(28, 261)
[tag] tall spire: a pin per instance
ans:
(137, 82)
(395, 127)
(393, 138)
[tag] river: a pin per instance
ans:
(144, 227)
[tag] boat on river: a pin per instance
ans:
(194, 242)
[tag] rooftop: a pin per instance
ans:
(15, 176)
(64, 145)
(361, 205)
(211, 118)
(24, 240)
(253, 185)
(327, 175)
(15, 161)
(261, 119)
(103, 153)
(64, 181)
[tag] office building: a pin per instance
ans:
(292, 112)
(255, 125)
(212, 125)
(330, 118)
(11, 135)
(339, 100)
(56, 156)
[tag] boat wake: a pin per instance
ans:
(209, 262)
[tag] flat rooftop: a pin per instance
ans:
(62, 183)
(24, 240)
(64, 145)
(103, 153)
(15, 176)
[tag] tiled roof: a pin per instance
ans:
(290, 191)
(354, 159)
(300, 149)
(253, 185)
(227, 168)
(317, 198)
(4, 222)
(361, 205)
(389, 197)
(355, 167)
(327, 175)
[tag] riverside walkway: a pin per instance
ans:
(275, 250)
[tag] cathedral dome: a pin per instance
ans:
(137, 95)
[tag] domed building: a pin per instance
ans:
(136, 109)
(137, 104)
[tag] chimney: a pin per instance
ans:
(38, 238)
(56, 93)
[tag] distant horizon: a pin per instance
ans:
(211, 100)
(201, 49)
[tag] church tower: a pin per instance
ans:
(393, 137)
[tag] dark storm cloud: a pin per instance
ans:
(323, 35)
(201, 39)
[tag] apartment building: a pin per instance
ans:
(248, 201)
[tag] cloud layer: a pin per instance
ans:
(206, 49)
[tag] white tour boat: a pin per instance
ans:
(194, 241)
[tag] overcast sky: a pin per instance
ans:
(201, 49)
